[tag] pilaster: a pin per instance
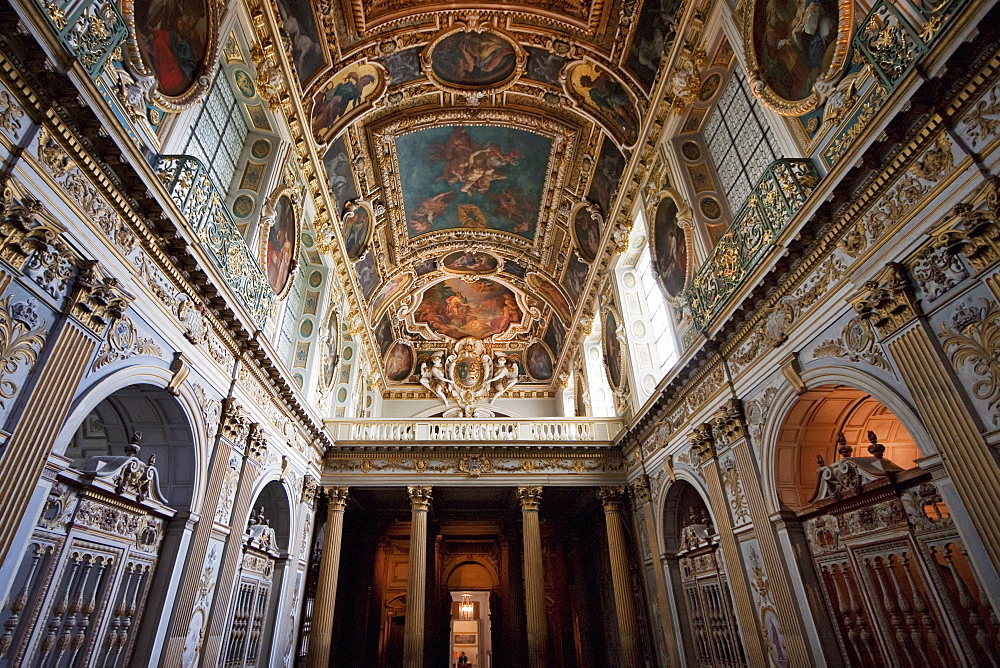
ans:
(94, 303)
(888, 303)
(703, 445)
(232, 554)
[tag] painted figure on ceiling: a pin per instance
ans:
(173, 43)
(475, 167)
(609, 95)
(339, 100)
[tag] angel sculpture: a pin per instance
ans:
(432, 377)
(505, 377)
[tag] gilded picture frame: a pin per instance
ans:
(796, 51)
(483, 45)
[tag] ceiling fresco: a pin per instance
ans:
(479, 177)
(473, 154)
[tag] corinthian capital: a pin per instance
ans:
(97, 300)
(420, 497)
(888, 301)
(530, 497)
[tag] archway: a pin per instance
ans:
(249, 638)
(887, 560)
(470, 585)
(698, 577)
(102, 538)
(822, 423)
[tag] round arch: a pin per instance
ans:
(786, 398)
(472, 574)
(667, 503)
(272, 494)
(182, 402)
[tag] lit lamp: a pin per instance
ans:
(465, 608)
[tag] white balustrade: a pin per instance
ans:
(440, 430)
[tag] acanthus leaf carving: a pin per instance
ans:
(973, 337)
(123, 342)
(20, 341)
(888, 301)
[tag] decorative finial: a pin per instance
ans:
(843, 449)
(876, 448)
(132, 449)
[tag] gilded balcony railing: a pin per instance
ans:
(190, 187)
(90, 30)
(778, 196)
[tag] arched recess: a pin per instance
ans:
(697, 574)
(249, 637)
(110, 533)
(786, 397)
(825, 424)
(879, 536)
(472, 575)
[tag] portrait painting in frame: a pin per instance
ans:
(349, 92)
(796, 51)
(281, 245)
(357, 229)
(174, 38)
(464, 60)
(399, 362)
(538, 361)
(669, 243)
(612, 350)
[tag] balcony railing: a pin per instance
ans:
(441, 431)
(90, 30)
(778, 196)
(190, 187)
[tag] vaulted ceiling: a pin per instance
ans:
(472, 152)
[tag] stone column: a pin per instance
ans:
(612, 498)
(663, 623)
(416, 582)
(326, 588)
(534, 578)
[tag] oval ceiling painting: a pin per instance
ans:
(464, 262)
(794, 45)
(538, 361)
(473, 59)
(669, 248)
(173, 36)
(459, 308)
(587, 230)
(399, 362)
(612, 350)
(357, 225)
(280, 249)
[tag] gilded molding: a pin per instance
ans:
(234, 424)
(257, 444)
(612, 498)
(96, 300)
(728, 424)
(420, 497)
(702, 443)
(336, 499)
(887, 301)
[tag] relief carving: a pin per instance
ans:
(123, 342)
(857, 343)
(973, 337)
(887, 301)
(21, 339)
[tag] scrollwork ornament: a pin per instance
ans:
(20, 342)
(973, 337)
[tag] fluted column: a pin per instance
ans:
(326, 589)
(416, 584)
(628, 625)
(534, 578)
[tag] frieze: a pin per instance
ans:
(50, 262)
(117, 521)
(11, 114)
(980, 124)
(870, 519)
(936, 268)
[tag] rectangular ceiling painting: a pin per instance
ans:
(472, 177)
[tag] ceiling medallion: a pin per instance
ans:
(470, 377)
(796, 52)
(473, 59)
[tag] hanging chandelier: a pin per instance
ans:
(465, 608)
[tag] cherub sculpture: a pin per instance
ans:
(432, 377)
(504, 378)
